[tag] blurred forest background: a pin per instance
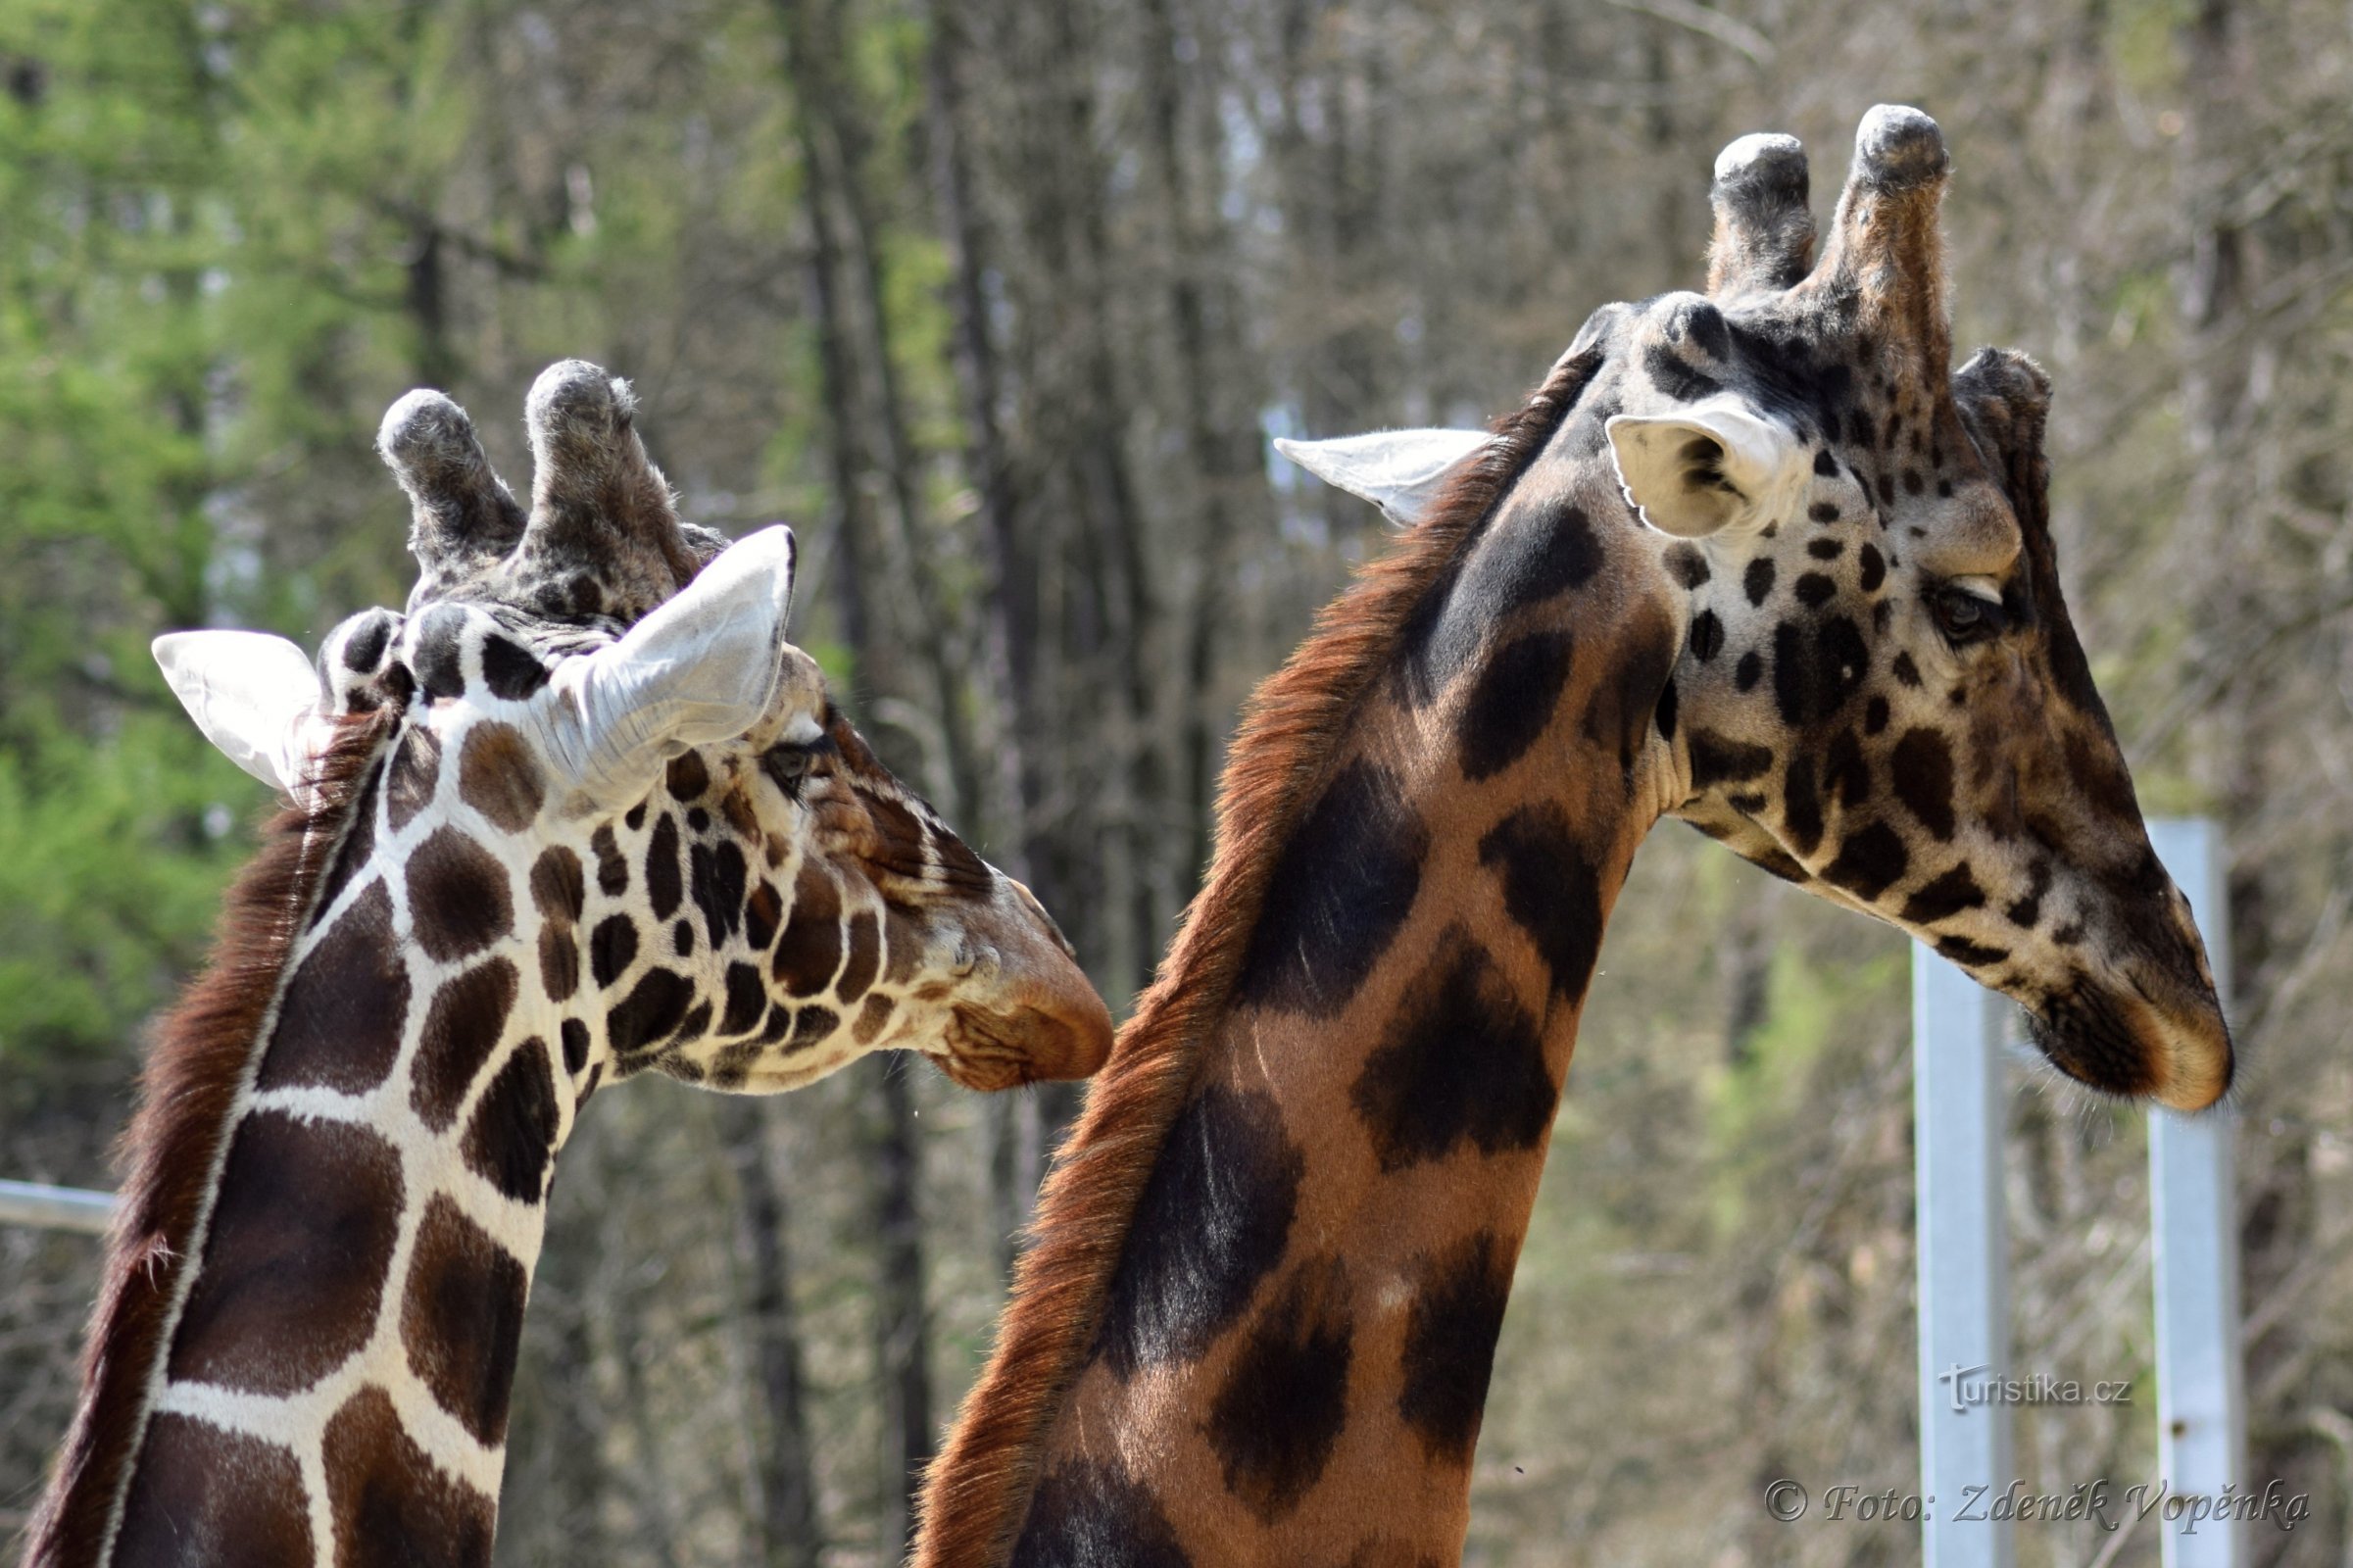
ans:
(998, 301)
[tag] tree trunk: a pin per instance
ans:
(788, 1489)
(902, 1335)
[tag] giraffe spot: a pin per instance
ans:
(898, 837)
(1758, 581)
(1869, 862)
(1814, 589)
(1823, 511)
(1687, 564)
(1720, 760)
(613, 867)
(1827, 549)
(611, 948)
(1813, 678)
(339, 1022)
(1511, 703)
(664, 885)
(1707, 635)
(1911, 481)
(294, 1258)
(1619, 709)
(458, 898)
(512, 1140)
(1677, 377)
(1340, 890)
(559, 961)
(688, 776)
(411, 775)
(461, 1319)
(1212, 1221)
(1551, 889)
(364, 649)
(178, 1511)
(596, 1076)
(1886, 489)
(1946, 896)
(2025, 910)
(510, 669)
(682, 939)
(356, 850)
(763, 917)
(1874, 714)
(498, 776)
(903, 945)
(870, 1019)
(960, 868)
(1449, 1353)
(1666, 712)
(810, 949)
(393, 1506)
(1284, 1398)
(1463, 1063)
(1905, 671)
(1802, 805)
(462, 1027)
(1972, 955)
(717, 879)
(1086, 1516)
(558, 892)
(2099, 777)
(1749, 671)
(865, 957)
(437, 642)
(747, 1000)
(636, 818)
(1845, 771)
(813, 1026)
(575, 1035)
(1921, 774)
(1828, 466)
(650, 1014)
(1874, 567)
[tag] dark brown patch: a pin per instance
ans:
(412, 774)
(1510, 703)
(1551, 889)
(613, 867)
(1922, 773)
(461, 1319)
(763, 917)
(458, 903)
(1869, 861)
(1449, 1353)
(201, 1497)
(870, 1019)
(650, 1014)
(611, 947)
(393, 1506)
(688, 776)
(295, 1256)
(1462, 1062)
(559, 961)
(499, 777)
(1947, 896)
(1341, 889)
(665, 885)
(810, 949)
(512, 1140)
(462, 1027)
(1284, 1398)
(558, 891)
(339, 1026)
(1720, 760)
(865, 958)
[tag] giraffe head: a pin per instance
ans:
(1879, 695)
(601, 745)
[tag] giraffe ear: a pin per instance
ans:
(255, 695)
(707, 664)
(1717, 465)
(1401, 472)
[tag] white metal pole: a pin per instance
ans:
(1964, 1246)
(2193, 1219)
(57, 1209)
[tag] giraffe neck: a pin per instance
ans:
(311, 1324)
(1269, 1270)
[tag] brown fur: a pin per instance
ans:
(978, 1490)
(201, 1059)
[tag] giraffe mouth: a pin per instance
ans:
(1027, 1044)
(2137, 1041)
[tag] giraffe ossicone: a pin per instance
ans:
(581, 812)
(1759, 557)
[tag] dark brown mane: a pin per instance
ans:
(977, 1491)
(173, 1143)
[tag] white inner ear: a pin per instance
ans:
(1715, 466)
(255, 695)
(1401, 472)
(704, 666)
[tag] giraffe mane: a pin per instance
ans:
(975, 1494)
(172, 1150)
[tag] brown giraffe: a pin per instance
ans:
(1757, 558)
(580, 814)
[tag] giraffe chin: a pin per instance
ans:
(1027, 1045)
(2121, 1041)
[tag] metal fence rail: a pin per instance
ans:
(57, 1209)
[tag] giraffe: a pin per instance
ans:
(580, 813)
(1756, 558)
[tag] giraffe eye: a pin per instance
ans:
(1964, 617)
(790, 764)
